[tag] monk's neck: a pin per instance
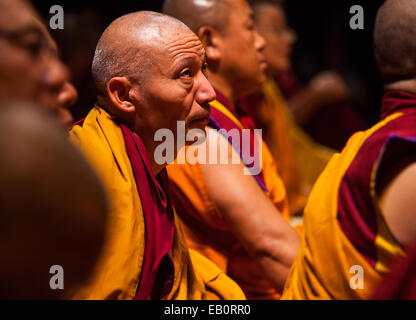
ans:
(223, 86)
(150, 145)
(150, 150)
(404, 85)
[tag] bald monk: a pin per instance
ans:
(238, 221)
(52, 207)
(359, 218)
(149, 72)
(29, 68)
(300, 160)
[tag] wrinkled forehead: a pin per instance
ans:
(180, 43)
(186, 43)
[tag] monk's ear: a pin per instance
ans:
(211, 40)
(118, 91)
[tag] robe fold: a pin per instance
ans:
(202, 221)
(345, 233)
(400, 282)
(145, 255)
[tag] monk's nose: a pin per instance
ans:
(205, 92)
(67, 95)
(260, 42)
(56, 75)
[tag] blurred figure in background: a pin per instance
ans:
(53, 209)
(299, 159)
(324, 107)
(30, 69)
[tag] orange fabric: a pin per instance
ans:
(322, 268)
(276, 135)
(290, 146)
(207, 232)
(117, 272)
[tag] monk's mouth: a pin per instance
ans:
(263, 64)
(200, 121)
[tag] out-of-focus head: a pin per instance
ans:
(53, 208)
(149, 70)
(270, 21)
(29, 66)
(394, 40)
(233, 46)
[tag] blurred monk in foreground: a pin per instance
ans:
(238, 220)
(53, 208)
(149, 72)
(299, 159)
(359, 218)
(29, 67)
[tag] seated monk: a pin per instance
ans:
(29, 68)
(53, 208)
(149, 72)
(359, 217)
(300, 160)
(239, 221)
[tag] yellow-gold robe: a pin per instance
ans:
(117, 272)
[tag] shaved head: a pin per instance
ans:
(52, 207)
(149, 69)
(198, 13)
(395, 40)
(128, 46)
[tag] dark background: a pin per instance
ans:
(325, 41)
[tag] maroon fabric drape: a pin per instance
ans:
(156, 278)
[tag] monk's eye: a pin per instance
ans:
(34, 48)
(250, 25)
(33, 43)
(186, 74)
